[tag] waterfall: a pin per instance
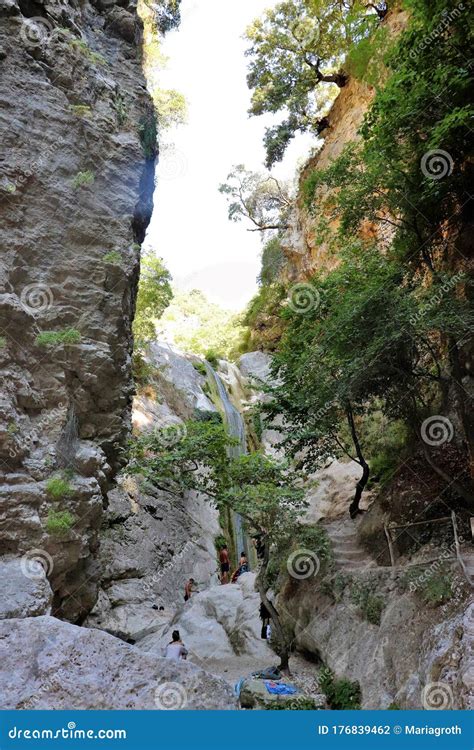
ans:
(235, 428)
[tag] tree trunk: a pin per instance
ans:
(275, 617)
(354, 509)
(340, 79)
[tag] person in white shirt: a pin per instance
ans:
(176, 649)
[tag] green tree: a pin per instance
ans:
(365, 336)
(273, 261)
(167, 14)
(257, 198)
(262, 490)
(154, 296)
(294, 47)
(197, 325)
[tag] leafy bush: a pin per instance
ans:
(200, 367)
(94, 57)
(112, 257)
(433, 590)
(154, 296)
(83, 178)
(371, 605)
(341, 695)
(148, 135)
(335, 585)
(59, 522)
(56, 338)
(58, 488)
(272, 261)
(213, 358)
(3, 342)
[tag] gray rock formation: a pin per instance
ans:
(218, 625)
(153, 541)
(415, 651)
(49, 664)
(76, 192)
(24, 587)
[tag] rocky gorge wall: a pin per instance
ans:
(75, 200)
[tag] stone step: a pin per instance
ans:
(356, 554)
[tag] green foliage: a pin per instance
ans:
(433, 589)
(81, 110)
(213, 358)
(273, 261)
(154, 296)
(294, 47)
(112, 257)
(371, 605)
(260, 199)
(387, 444)
(148, 134)
(299, 536)
(335, 585)
(200, 367)
(170, 107)
(119, 105)
(94, 57)
(83, 179)
(3, 342)
(202, 327)
(261, 489)
(59, 522)
(59, 488)
(58, 338)
(341, 695)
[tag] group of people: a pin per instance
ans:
(224, 560)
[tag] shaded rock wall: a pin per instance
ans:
(76, 195)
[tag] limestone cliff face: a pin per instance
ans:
(305, 252)
(76, 195)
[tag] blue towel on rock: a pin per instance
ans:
(279, 688)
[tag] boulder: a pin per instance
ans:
(50, 664)
(219, 624)
(24, 588)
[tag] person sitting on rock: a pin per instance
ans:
(176, 649)
(188, 589)
(225, 564)
(243, 567)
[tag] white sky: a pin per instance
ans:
(190, 229)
